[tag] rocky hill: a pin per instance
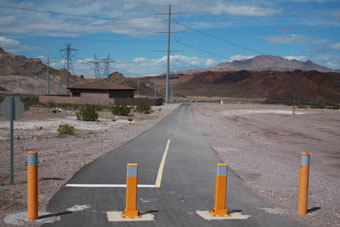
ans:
(21, 75)
(268, 63)
(289, 86)
(145, 87)
(259, 64)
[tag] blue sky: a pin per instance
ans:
(209, 32)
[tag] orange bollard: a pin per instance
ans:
(220, 209)
(131, 192)
(303, 184)
(32, 185)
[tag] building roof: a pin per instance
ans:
(102, 85)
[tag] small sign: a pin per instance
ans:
(6, 108)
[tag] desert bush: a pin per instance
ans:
(29, 101)
(122, 110)
(143, 108)
(130, 119)
(87, 113)
(65, 129)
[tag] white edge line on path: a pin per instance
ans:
(157, 184)
(107, 185)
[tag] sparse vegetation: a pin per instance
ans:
(65, 129)
(87, 113)
(144, 108)
(318, 106)
(29, 102)
(130, 119)
(122, 110)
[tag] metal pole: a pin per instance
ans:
(32, 186)
(168, 59)
(172, 91)
(48, 75)
(11, 141)
(68, 63)
(155, 89)
(303, 183)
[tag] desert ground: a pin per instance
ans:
(61, 157)
(262, 144)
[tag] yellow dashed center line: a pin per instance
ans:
(161, 166)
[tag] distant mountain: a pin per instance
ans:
(289, 86)
(21, 75)
(268, 63)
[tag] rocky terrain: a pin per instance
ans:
(268, 63)
(21, 75)
(289, 86)
(262, 144)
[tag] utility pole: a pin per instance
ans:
(137, 87)
(172, 91)
(155, 89)
(168, 58)
(168, 53)
(68, 55)
(48, 74)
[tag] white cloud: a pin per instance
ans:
(287, 39)
(243, 10)
(330, 61)
(141, 65)
(335, 46)
(238, 58)
(299, 58)
(12, 45)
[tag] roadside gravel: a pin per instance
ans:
(263, 143)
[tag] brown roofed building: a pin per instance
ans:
(101, 92)
(102, 88)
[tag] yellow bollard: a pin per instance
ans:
(32, 186)
(303, 184)
(131, 192)
(220, 209)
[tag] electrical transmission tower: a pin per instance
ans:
(96, 65)
(68, 54)
(107, 65)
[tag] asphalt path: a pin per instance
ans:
(188, 182)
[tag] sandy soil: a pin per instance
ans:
(262, 144)
(60, 158)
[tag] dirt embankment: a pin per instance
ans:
(60, 158)
(263, 143)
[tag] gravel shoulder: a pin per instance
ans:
(262, 144)
(61, 157)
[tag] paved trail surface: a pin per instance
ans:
(188, 182)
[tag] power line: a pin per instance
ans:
(96, 65)
(220, 39)
(107, 65)
(59, 13)
(202, 50)
(128, 72)
(82, 39)
(186, 63)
